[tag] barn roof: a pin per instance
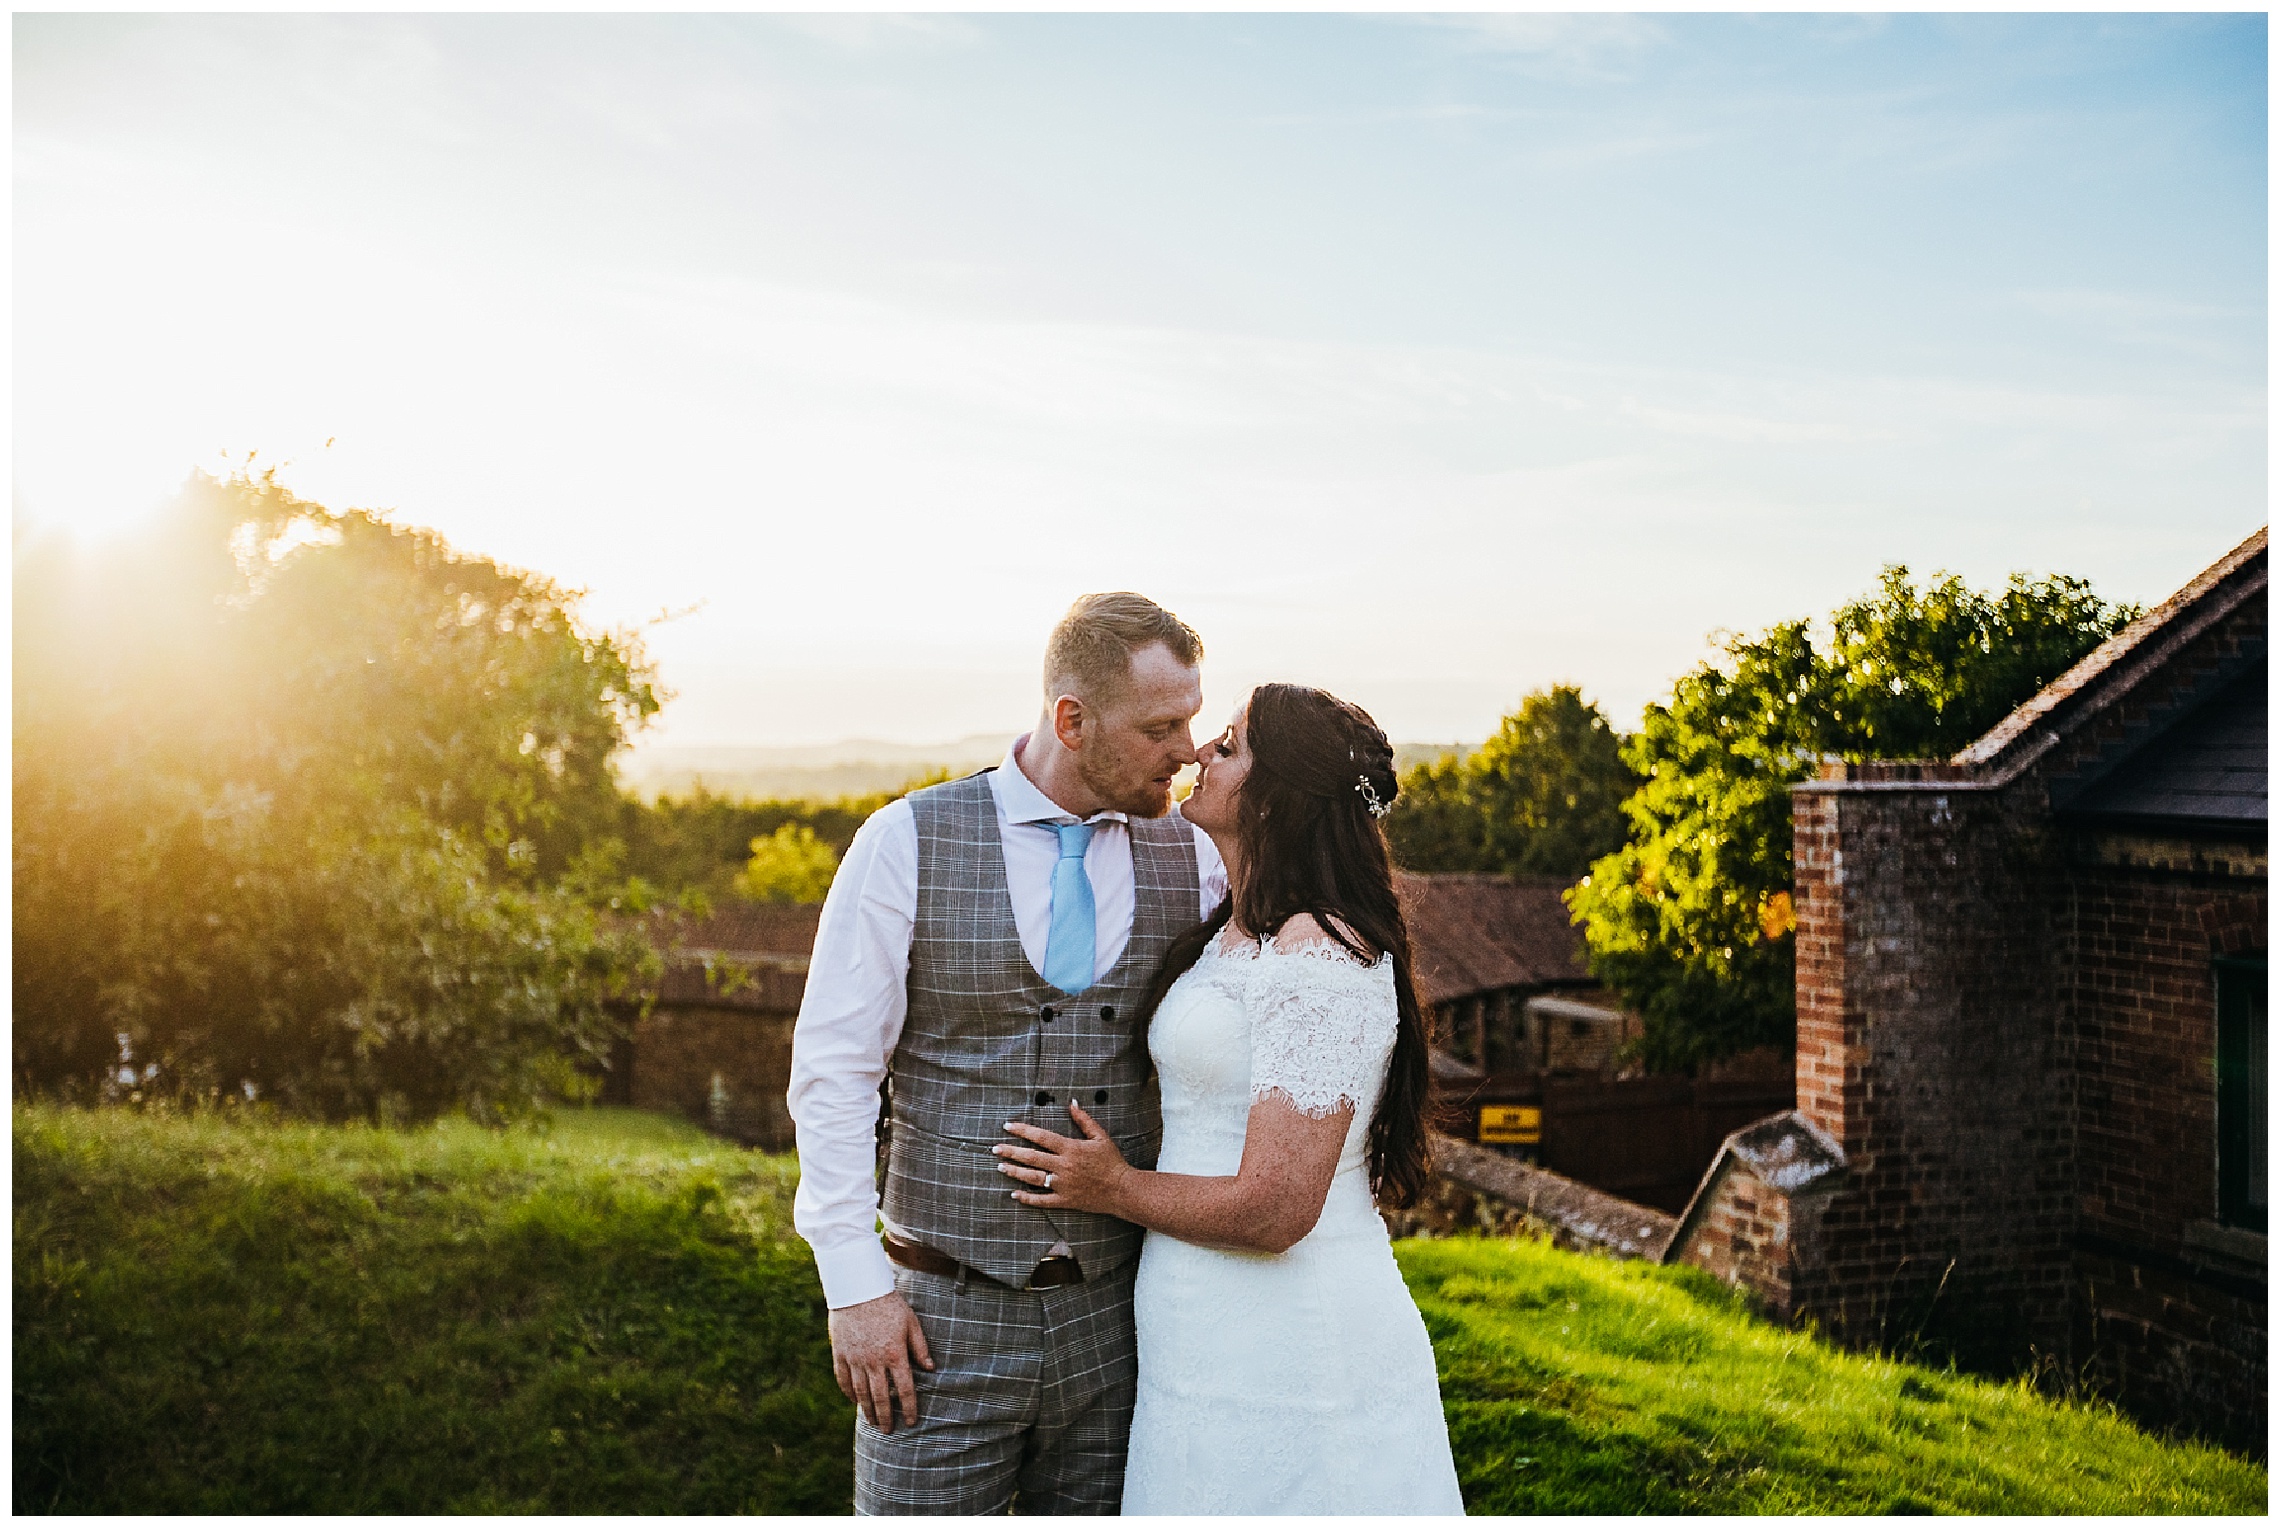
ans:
(2210, 768)
(2165, 724)
(2105, 675)
(1482, 933)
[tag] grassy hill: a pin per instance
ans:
(612, 1316)
(1581, 1384)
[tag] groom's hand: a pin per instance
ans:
(872, 1346)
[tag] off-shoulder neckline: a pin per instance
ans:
(1326, 950)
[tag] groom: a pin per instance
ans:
(986, 946)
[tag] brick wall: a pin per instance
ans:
(1933, 1045)
(2144, 998)
(1582, 1042)
(1743, 1237)
(2176, 1343)
(2169, 1325)
(1757, 1219)
(1827, 1060)
(727, 1069)
(1475, 1189)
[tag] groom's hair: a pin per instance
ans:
(1090, 651)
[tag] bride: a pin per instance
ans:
(1283, 1366)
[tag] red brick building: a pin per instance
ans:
(2030, 1035)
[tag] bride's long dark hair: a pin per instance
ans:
(1310, 844)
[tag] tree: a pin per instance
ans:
(1543, 796)
(306, 806)
(1435, 824)
(789, 865)
(1692, 920)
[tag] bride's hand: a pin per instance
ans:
(1065, 1174)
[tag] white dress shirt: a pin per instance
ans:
(851, 1016)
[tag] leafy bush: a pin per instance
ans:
(304, 810)
(1692, 919)
(789, 865)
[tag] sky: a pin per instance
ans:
(1429, 359)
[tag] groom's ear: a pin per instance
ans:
(1069, 721)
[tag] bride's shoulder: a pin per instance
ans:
(1305, 936)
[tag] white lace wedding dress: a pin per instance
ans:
(1298, 1382)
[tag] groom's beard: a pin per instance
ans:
(1142, 798)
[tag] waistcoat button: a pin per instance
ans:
(1108, 1015)
(1044, 1098)
(1046, 1013)
(1100, 1095)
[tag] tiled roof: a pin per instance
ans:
(1480, 933)
(2162, 710)
(2238, 574)
(2210, 768)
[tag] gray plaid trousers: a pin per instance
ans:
(1028, 1407)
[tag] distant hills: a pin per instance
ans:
(1406, 754)
(813, 771)
(826, 771)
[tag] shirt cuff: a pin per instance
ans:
(854, 1273)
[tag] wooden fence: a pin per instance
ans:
(1644, 1139)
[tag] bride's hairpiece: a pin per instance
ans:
(1370, 796)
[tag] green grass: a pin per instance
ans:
(607, 1317)
(1580, 1384)
(611, 1315)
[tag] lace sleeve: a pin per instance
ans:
(1322, 1025)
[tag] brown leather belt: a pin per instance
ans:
(1050, 1273)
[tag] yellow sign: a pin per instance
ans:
(1511, 1124)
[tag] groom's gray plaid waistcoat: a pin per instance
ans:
(987, 1040)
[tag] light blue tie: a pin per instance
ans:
(1069, 944)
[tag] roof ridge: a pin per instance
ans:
(2108, 654)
